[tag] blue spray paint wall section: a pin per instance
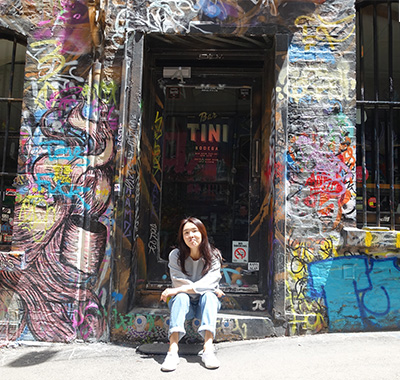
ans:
(360, 293)
(76, 256)
(360, 290)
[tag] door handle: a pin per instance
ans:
(256, 159)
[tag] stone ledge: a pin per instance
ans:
(371, 238)
(141, 325)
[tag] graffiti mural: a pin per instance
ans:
(360, 292)
(62, 213)
(89, 183)
(60, 205)
(320, 157)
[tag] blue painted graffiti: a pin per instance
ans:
(63, 189)
(226, 271)
(58, 152)
(314, 53)
(212, 10)
(360, 293)
(117, 296)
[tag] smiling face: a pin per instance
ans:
(191, 236)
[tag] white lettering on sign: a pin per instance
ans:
(240, 251)
(253, 267)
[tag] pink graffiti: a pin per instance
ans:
(71, 26)
(82, 320)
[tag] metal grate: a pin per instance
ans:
(12, 63)
(378, 114)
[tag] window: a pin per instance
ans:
(378, 114)
(12, 64)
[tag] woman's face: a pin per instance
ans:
(191, 235)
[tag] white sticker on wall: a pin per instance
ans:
(240, 251)
(253, 267)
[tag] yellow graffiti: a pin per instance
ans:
(55, 64)
(306, 314)
(327, 249)
(62, 173)
(105, 91)
(233, 330)
(309, 251)
(57, 60)
(241, 329)
(157, 128)
(36, 215)
(102, 192)
(368, 239)
(398, 240)
(46, 89)
(311, 318)
(322, 31)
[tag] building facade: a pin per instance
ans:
(133, 115)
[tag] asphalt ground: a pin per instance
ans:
(353, 356)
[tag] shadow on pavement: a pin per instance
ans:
(32, 358)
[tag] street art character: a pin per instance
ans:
(57, 225)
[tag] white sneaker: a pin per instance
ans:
(170, 363)
(210, 360)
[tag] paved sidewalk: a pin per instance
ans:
(355, 356)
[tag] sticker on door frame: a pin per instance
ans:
(240, 251)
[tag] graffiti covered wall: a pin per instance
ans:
(320, 157)
(63, 213)
(80, 163)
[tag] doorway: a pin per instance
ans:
(203, 129)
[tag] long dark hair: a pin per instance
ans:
(207, 251)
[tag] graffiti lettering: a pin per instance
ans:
(157, 128)
(153, 239)
(61, 189)
(323, 29)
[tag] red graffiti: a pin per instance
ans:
(323, 188)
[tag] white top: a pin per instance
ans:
(201, 284)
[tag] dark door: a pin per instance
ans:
(200, 156)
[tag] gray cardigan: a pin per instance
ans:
(201, 284)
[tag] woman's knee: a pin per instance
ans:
(180, 300)
(209, 298)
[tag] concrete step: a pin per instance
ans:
(151, 325)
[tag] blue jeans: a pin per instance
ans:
(183, 307)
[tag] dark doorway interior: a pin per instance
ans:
(205, 121)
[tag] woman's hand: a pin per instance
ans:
(169, 292)
(219, 293)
